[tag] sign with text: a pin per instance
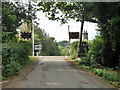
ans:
(38, 47)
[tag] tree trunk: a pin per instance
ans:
(81, 30)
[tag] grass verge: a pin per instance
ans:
(110, 76)
(29, 61)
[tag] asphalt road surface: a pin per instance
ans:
(54, 72)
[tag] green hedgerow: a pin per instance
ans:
(12, 68)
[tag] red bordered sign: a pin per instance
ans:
(26, 35)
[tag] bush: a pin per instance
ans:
(107, 74)
(74, 49)
(94, 54)
(110, 76)
(83, 61)
(13, 68)
(8, 37)
(63, 51)
(104, 72)
(100, 72)
(14, 56)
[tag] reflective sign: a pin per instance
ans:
(38, 47)
(26, 35)
(74, 35)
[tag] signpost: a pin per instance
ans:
(68, 48)
(38, 47)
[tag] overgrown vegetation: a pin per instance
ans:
(94, 62)
(63, 47)
(15, 52)
(49, 44)
(108, 74)
(102, 56)
(74, 49)
(14, 57)
(63, 51)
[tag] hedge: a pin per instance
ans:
(14, 56)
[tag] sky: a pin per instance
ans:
(60, 32)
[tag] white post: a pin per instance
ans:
(33, 36)
(69, 38)
(37, 53)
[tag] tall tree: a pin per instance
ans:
(13, 15)
(72, 10)
(105, 14)
(109, 28)
(49, 45)
(108, 16)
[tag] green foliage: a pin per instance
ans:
(106, 73)
(96, 53)
(109, 26)
(64, 43)
(96, 50)
(111, 76)
(109, 30)
(84, 61)
(74, 48)
(14, 56)
(8, 37)
(62, 46)
(70, 10)
(63, 50)
(31, 59)
(84, 47)
(15, 52)
(13, 15)
(13, 68)
(49, 45)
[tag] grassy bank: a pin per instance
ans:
(31, 59)
(108, 74)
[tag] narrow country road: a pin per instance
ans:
(54, 72)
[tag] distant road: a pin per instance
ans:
(54, 72)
